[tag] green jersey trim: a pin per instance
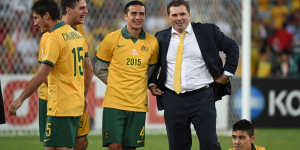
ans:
(58, 25)
(127, 35)
(47, 63)
(101, 59)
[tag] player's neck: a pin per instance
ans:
(135, 33)
(68, 21)
(52, 24)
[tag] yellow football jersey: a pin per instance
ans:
(80, 29)
(127, 78)
(256, 147)
(65, 51)
(43, 93)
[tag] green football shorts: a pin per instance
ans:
(124, 127)
(42, 117)
(61, 131)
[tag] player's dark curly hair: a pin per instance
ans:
(244, 125)
(42, 6)
(67, 4)
(132, 3)
(177, 3)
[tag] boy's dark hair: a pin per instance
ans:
(67, 4)
(177, 3)
(132, 3)
(244, 125)
(42, 6)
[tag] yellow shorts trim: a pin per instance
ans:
(84, 125)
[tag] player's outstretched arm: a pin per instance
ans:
(34, 83)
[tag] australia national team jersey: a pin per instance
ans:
(65, 52)
(80, 28)
(43, 94)
(127, 78)
(254, 147)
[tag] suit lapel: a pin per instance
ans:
(167, 42)
(201, 38)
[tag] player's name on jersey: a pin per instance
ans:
(71, 35)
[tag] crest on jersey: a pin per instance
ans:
(145, 48)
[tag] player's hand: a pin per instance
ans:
(14, 106)
(222, 79)
(156, 91)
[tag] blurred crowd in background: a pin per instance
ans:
(275, 31)
(275, 38)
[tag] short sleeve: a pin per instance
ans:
(42, 47)
(105, 49)
(154, 56)
(52, 51)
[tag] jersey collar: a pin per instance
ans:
(126, 34)
(58, 25)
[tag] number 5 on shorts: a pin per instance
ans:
(48, 129)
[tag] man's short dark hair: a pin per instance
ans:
(244, 125)
(67, 4)
(177, 3)
(132, 3)
(42, 6)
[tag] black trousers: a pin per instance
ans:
(197, 108)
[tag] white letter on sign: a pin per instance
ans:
(276, 101)
(295, 94)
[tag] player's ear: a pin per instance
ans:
(252, 138)
(47, 16)
(68, 10)
(125, 17)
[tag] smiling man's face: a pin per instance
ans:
(179, 17)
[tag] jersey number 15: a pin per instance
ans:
(78, 63)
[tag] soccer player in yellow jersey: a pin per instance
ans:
(124, 59)
(43, 92)
(73, 13)
(243, 136)
(64, 63)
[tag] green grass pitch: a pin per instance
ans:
(273, 139)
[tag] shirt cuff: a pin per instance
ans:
(151, 85)
(228, 74)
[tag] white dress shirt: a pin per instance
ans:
(194, 73)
